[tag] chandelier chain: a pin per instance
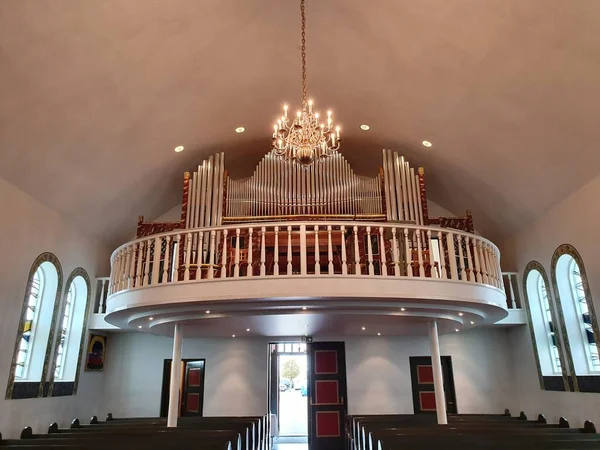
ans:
(304, 139)
(302, 11)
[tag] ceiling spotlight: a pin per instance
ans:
(139, 326)
(247, 329)
(179, 149)
(460, 314)
(365, 127)
(207, 311)
(150, 318)
(402, 309)
(233, 335)
(240, 129)
(304, 308)
(363, 328)
(456, 329)
(472, 323)
(378, 334)
(427, 144)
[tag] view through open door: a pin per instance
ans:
(327, 405)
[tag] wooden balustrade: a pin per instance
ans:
(320, 249)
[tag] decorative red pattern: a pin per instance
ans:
(194, 377)
(423, 194)
(458, 223)
(328, 423)
(424, 375)
(186, 193)
(327, 392)
(149, 228)
(427, 401)
(326, 362)
(192, 403)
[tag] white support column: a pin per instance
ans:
(175, 377)
(438, 381)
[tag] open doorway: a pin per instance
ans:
(288, 393)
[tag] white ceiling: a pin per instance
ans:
(95, 96)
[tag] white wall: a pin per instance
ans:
(576, 221)
(378, 372)
(27, 229)
(236, 374)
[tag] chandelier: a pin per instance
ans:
(305, 139)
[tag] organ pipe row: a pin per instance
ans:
(401, 186)
(280, 188)
(205, 193)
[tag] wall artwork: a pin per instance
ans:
(96, 353)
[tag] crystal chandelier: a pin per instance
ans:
(305, 139)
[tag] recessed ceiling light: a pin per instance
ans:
(363, 328)
(460, 314)
(207, 311)
(402, 309)
(247, 329)
(456, 329)
(233, 335)
(139, 326)
(304, 308)
(472, 322)
(240, 129)
(378, 334)
(150, 318)
(365, 127)
(179, 149)
(427, 144)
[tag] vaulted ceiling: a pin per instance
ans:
(95, 96)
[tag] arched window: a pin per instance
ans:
(549, 325)
(35, 331)
(31, 314)
(70, 334)
(573, 293)
(542, 321)
(583, 312)
(65, 326)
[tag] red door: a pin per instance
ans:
(193, 388)
(327, 405)
(422, 384)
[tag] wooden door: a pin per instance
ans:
(193, 388)
(327, 405)
(191, 384)
(421, 374)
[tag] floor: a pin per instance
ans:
(290, 447)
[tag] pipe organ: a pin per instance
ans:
(281, 191)
(402, 189)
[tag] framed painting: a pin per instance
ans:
(96, 353)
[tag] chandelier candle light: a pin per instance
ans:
(305, 139)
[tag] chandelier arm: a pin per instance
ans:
(303, 14)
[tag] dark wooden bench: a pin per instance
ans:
(206, 433)
(399, 432)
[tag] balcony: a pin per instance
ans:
(378, 270)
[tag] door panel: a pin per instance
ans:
(327, 395)
(421, 374)
(193, 389)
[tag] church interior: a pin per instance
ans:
(302, 224)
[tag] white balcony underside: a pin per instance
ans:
(272, 305)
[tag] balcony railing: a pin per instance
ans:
(334, 249)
